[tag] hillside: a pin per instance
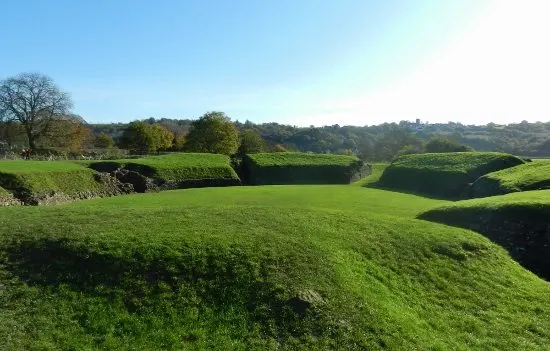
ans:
(446, 175)
(529, 176)
(280, 267)
(381, 142)
(517, 221)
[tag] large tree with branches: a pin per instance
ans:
(34, 101)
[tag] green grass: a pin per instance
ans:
(26, 166)
(517, 221)
(445, 175)
(44, 178)
(222, 268)
(529, 176)
(285, 159)
(300, 168)
(4, 192)
(175, 167)
(374, 177)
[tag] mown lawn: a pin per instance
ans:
(278, 267)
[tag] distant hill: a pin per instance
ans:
(382, 142)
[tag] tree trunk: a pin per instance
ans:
(31, 137)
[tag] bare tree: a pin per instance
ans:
(33, 100)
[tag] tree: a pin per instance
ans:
(33, 100)
(104, 141)
(142, 138)
(279, 148)
(178, 144)
(213, 133)
(251, 142)
(68, 132)
(443, 144)
(137, 137)
(164, 138)
(410, 149)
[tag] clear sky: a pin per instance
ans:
(298, 62)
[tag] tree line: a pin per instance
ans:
(35, 113)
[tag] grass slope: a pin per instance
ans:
(42, 179)
(178, 167)
(300, 168)
(445, 175)
(517, 221)
(529, 176)
(376, 172)
(282, 267)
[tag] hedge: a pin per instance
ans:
(446, 175)
(300, 168)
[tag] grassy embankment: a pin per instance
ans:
(300, 168)
(280, 267)
(376, 172)
(39, 181)
(529, 176)
(518, 221)
(444, 175)
(177, 170)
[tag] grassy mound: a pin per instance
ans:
(445, 175)
(286, 267)
(43, 181)
(300, 168)
(178, 170)
(518, 222)
(529, 176)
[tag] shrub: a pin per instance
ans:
(300, 168)
(446, 175)
(443, 144)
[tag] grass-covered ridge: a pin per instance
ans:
(529, 176)
(38, 181)
(517, 221)
(445, 175)
(177, 168)
(285, 267)
(300, 168)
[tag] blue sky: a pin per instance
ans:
(299, 62)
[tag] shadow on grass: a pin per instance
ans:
(377, 185)
(218, 278)
(523, 232)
